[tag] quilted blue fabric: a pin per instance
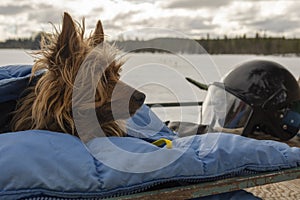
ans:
(145, 124)
(13, 80)
(43, 163)
(46, 163)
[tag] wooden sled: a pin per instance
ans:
(217, 187)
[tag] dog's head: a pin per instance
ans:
(67, 55)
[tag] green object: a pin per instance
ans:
(202, 86)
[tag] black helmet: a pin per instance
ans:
(257, 95)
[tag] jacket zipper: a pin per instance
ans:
(146, 187)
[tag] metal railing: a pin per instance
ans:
(175, 104)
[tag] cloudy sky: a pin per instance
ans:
(193, 18)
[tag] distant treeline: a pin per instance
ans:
(22, 43)
(238, 45)
(252, 46)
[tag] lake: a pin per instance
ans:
(162, 76)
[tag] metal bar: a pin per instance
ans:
(175, 104)
(217, 187)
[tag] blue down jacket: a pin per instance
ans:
(13, 80)
(39, 163)
(43, 163)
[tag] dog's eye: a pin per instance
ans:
(119, 71)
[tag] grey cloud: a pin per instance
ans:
(181, 24)
(13, 10)
(45, 14)
(278, 24)
(97, 10)
(139, 1)
(199, 24)
(107, 25)
(293, 9)
(112, 24)
(94, 16)
(111, 28)
(44, 6)
(125, 16)
(119, 21)
(195, 4)
(244, 17)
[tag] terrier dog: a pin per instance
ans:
(49, 103)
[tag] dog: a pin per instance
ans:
(48, 103)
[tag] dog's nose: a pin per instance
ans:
(139, 96)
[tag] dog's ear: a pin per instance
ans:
(68, 39)
(98, 35)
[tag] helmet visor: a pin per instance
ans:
(222, 111)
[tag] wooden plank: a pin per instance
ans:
(216, 187)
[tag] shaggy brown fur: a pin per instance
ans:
(48, 104)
